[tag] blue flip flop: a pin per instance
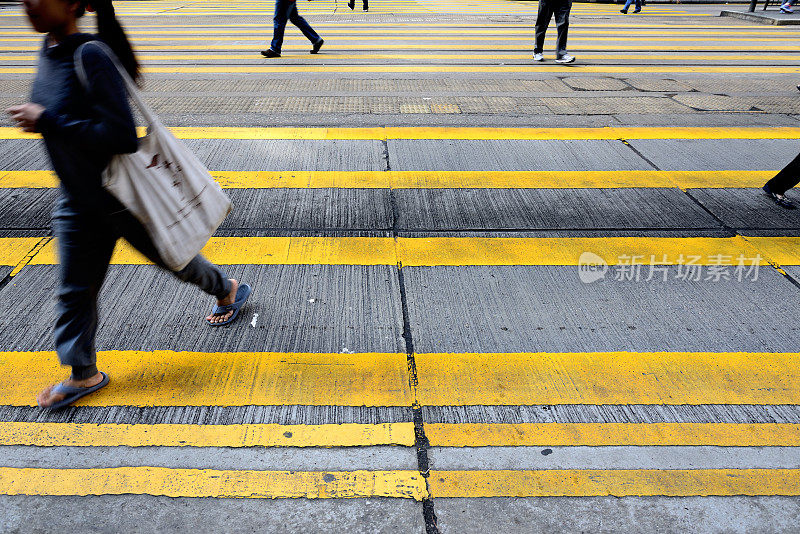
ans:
(242, 294)
(72, 393)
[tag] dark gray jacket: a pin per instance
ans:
(82, 130)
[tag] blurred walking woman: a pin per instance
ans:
(82, 129)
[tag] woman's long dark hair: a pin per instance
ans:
(110, 32)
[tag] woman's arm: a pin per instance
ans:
(110, 127)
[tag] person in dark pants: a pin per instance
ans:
(561, 9)
(776, 188)
(628, 5)
(287, 10)
(83, 128)
(352, 5)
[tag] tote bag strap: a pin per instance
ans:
(133, 90)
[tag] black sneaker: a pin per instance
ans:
(270, 53)
(780, 200)
(317, 46)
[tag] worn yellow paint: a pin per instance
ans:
(458, 251)
(608, 378)
(167, 482)
(524, 56)
(14, 249)
(608, 69)
(267, 251)
(476, 133)
(439, 47)
(29, 179)
(781, 250)
(167, 378)
(414, 36)
(179, 435)
(612, 434)
(447, 179)
(455, 251)
(616, 482)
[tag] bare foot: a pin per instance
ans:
(230, 299)
(47, 398)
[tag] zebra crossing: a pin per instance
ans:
(428, 347)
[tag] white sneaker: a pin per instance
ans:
(566, 58)
(538, 57)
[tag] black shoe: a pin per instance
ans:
(351, 4)
(623, 11)
(270, 53)
(780, 200)
(317, 46)
(366, 9)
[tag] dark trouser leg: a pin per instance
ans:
(562, 10)
(85, 244)
(279, 23)
(199, 271)
(301, 23)
(787, 178)
(366, 5)
(542, 22)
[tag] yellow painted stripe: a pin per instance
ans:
(612, 434)
(578, 68)
(166, 378)
(455, 251)
(617, 482)
(178, 435)
(267, 251)
(14, 249)
(458, 251)
(523, 56)
(236, 26)
(781, 250)
(447, 179)
(429, 46)
(477, 133)
(212, 483)
(608, 378)
(520, 32)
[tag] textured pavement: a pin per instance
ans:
(490, 295)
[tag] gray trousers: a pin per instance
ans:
(548, 8)
(86, 240)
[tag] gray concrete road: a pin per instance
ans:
(428, 348)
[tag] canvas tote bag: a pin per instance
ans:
(163, 184)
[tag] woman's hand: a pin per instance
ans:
(26, 115)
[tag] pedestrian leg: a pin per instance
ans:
(282, 9)
(199, 272)
(85, 244)
(562, 10)
(542, 22)
(302, 24)
(787, 178)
